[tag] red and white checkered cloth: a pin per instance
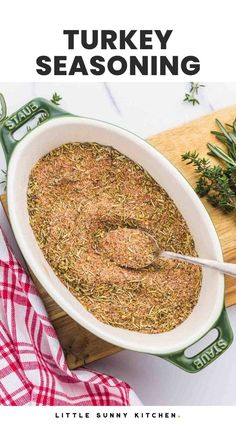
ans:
(33, 370)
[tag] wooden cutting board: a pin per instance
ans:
(194, 136)
(82, 347)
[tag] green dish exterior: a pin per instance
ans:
(225, 334)
(204, 358)
(22, 116)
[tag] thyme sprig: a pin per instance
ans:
(193, 92)
(217, 182)
(56, 99)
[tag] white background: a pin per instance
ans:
(145, 109)
(202, 28)
(184, 415)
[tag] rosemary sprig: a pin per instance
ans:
(217, 182)
(228, 138)
(193, 92)
(220, 154)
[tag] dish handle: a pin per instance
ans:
(23, 115)
(204, 358)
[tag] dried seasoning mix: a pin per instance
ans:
(80, 196)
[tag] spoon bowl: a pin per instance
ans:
(127, 254)
(131, 248)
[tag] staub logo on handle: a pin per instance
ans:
(21, 116)
(211, 353)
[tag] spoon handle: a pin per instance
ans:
(224, 267)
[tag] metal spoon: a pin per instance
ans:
(224, 267)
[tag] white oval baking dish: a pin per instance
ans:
(61, 127)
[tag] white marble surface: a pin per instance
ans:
(144, 109)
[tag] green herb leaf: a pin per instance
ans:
(56, 98)
(220, 154)
(3, 108)
(4, 181)
(193, 92)
(217, 182)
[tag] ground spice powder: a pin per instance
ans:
(128, 247)
(77, 195)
